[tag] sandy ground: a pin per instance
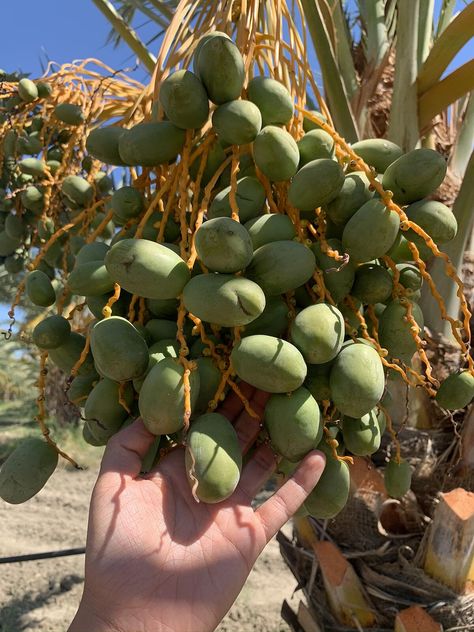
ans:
(43, 595)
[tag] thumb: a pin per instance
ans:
(125, 450)
(282, 505)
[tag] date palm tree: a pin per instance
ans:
(381, 64)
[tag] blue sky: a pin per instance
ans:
(59, 30)
(64, 30)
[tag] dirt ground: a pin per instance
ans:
(43, 595)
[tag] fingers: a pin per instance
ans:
(254, 475)
(248, 427)
(171, 465)
(232, 406)
(126, 449)
(282, 505)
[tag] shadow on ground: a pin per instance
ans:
(13, 616)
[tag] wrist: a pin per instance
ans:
(86, 620)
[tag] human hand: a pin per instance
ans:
(156, 560)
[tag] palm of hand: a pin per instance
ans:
(154, 543)
(156, 559)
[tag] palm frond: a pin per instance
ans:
(445, 15)
(462, 209)
(391, 19)
(446, 47)
(464, 138)
(440, 95)
(425, 29)
(335, 90)
(375, 40)
(121, 26)
(158, 12)
(343, 47)
(403, 128)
